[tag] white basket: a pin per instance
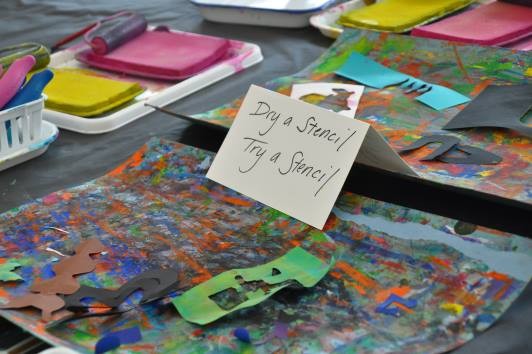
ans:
(26, 135)
(25, 129)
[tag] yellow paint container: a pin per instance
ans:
(83, 93)
(400, 15)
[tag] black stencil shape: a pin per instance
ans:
(519, 2)
(473, 156)
(447, 142)
(154, 284)
(499, 107)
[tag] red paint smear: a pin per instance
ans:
(441, 262)
(394, 265)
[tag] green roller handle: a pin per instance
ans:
(9, 54)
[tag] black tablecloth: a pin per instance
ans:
(75, 158)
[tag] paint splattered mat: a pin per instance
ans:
(404, 281)
(402, 120)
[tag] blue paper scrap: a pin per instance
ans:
(370, 73)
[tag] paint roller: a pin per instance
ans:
(128, 25)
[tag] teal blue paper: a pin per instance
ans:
(441, 97)
(370, 73)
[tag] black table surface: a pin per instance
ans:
(76, 158)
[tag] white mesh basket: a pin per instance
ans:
(20, 127)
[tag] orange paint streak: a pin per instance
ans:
(355, 274)
(134, 161)
(357, 287)
(461, 65)
(481, 86)
(102, 225)
(237, 201)
(441, 262)
(161, 164)
(500, 277)
(119, 207)
(183, 257)
(66, 196)
(395, 266)
(401, 291)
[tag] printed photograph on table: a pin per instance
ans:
(464, 70)
(400, 280)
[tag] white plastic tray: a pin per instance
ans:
(326, 21)
(272, 13)
(49, 133)
(158, 93)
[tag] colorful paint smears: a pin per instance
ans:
(395, 114)
(403, 281)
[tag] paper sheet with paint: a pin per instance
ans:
(340, 98)
(252, 285)
(462, 68)
(370, 73)
(456, 279)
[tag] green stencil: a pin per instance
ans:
(6, 273)
(250, 286)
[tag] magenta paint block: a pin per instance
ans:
(496, 23)
(14, 77)
(161, 54)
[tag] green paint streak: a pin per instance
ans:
(336, 60)
(135, 230)
(157, 178)
(318, 236)
(396, 45)
(464, 88)
(493, 67)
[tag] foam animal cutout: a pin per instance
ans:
(46, 303)
(154, 284)
(64, 282)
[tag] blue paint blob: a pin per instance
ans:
(106, 344)
(242, 334)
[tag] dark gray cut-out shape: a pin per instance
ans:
(499, 107)
(464, 228)
(519, 2)
(474, 156)
(447, 142)
(155, 283)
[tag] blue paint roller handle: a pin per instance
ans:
(32, 90)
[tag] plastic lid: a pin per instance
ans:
(269, 5)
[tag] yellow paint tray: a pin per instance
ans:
(400, 15)
(84, 93)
